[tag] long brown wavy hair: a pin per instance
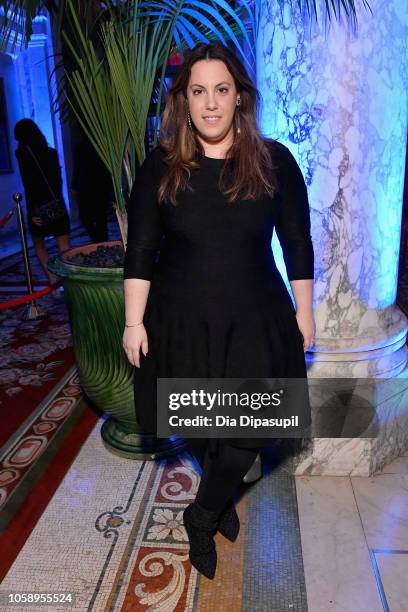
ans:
(249, 165)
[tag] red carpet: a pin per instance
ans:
(13, 537)
(34, 356)
(44, 417)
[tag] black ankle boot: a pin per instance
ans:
(228, 522)
(201, 526)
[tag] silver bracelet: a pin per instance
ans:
(135, 325)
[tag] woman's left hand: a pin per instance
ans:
(37, 221)
(307, 327)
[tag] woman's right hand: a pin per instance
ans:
(134, 339)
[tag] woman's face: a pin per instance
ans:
(212, 99)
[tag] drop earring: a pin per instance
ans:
(238, 120)
(189, 121)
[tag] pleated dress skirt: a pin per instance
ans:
(218, 334)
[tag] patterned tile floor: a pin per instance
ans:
(113, 536)
(127, 518)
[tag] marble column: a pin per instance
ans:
(337, 97)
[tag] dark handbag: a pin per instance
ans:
(55, 209)
(52, 211)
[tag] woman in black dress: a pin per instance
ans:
(41, 175)
(214, 303)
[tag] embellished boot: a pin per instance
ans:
(228, 522)
(201, 526)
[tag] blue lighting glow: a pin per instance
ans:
(346, 124)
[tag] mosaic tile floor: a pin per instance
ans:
(126, 518)
(113, 536)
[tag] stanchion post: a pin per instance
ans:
(32, 311)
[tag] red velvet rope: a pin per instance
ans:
(6, 217)
(30, 297)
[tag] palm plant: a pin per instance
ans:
(119, 63)
(16, 16)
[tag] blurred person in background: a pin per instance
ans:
(92, 187)
(40, 172)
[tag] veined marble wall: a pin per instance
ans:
(338, 97)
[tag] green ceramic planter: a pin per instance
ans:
(95, 301)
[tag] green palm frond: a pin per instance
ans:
(204, 21)
(16, 17)
(92, 95)
(134, 52)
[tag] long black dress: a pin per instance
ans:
(37, 189)
(217, 306)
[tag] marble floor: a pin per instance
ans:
(354, 534)
(112, 536)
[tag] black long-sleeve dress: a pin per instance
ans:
(217, 306)
(37, 190)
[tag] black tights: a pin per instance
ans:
(221, 475)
